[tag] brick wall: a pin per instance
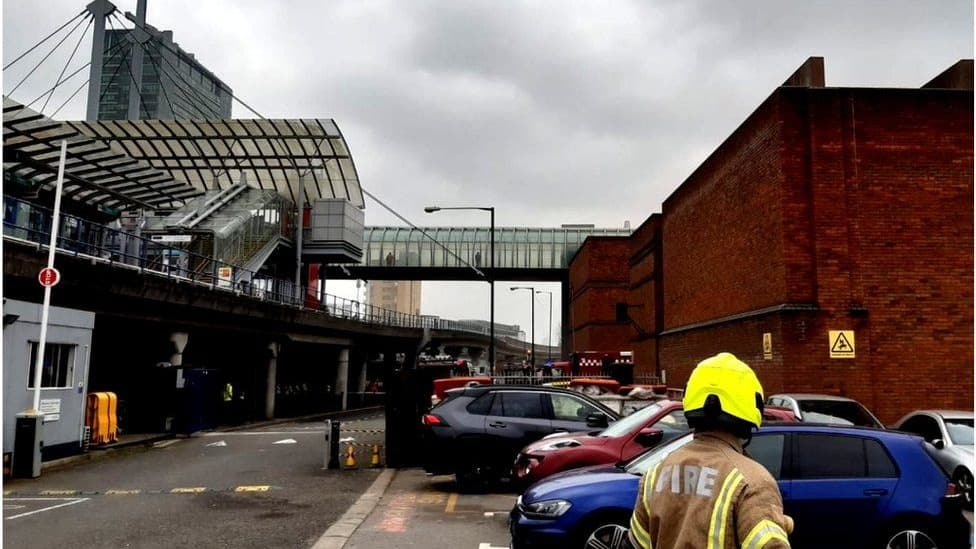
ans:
(722, 228)
(827, 209)
(599, 280)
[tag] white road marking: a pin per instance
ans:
(261, 433)
(6, 506)
(286, 441)
(218, 443)
(165, 443)
(490, 546)
(489, 514)
(347, 439)
(41, 510)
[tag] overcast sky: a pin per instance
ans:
(553, 112)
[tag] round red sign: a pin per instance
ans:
(49, 276)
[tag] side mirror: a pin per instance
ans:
(938, 443)
(649, 436)
(597, 420)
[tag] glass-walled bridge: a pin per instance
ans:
(454, 253)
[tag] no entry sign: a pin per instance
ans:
(49, 276)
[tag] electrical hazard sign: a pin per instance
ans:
(841, 343)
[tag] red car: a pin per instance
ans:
(621, 441)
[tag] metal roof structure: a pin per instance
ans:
(159, 164)
(97, 173)
(217, 153)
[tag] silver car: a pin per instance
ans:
(814, 408)
(950, 432)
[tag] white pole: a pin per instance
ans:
(55, 222)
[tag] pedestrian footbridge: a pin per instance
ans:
(464, 253)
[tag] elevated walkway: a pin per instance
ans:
(238, 225)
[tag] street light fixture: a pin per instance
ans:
(550, 320)
(532, 299)
(490, 275)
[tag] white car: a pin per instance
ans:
(813, 408)
(950, 432)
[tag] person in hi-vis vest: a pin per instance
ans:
(708, 494)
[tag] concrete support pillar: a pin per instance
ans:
(271, 381)
(178, 339)
(342, 377)
(361, 386)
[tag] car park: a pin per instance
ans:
(476, 432)
(950, 433)
(845, 487)
(814, 408)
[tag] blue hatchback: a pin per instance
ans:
(843, 486)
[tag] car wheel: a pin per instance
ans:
(601, 532)
(909, 537)
(608, 536)
(964, 481)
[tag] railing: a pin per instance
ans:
(83, 238)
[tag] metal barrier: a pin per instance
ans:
(83, 238)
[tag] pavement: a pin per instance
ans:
(130, 442)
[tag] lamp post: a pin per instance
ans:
(550, 320)
(532, 299)
(490, 275)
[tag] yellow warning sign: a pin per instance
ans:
(767, 346)
(841, 343)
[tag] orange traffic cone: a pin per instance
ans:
(350, 457)
(375, 461)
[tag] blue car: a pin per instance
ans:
(845, 487)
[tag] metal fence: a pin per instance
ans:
(102, 243)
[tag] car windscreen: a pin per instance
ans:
(645, 462)
(836, 411)
(960, 430)
(627, 424)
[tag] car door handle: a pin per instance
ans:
(498, 425)
(876, 492)
(560, 430)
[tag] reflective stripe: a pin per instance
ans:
(720, 511)
(762, 532)
(648, 491)
(639, 534)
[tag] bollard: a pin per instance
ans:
(375, 461)
(331, 444)
(350, 457)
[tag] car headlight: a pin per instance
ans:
(546, 509)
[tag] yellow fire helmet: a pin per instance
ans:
(723, 390)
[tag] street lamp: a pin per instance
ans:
(550, 320)
(532, 299)
(490, 274)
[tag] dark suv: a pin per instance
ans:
(476, 432)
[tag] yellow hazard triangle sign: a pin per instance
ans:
(841, 343)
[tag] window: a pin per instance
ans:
(960, 430)
(879, 462)
(922, 426)
(570, 408)
(768, 451)
(57, 368)
(849, 457)
(480, 405)
(673, 422)
(514, 404)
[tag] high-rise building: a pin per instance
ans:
(174, 85)
(402, 296)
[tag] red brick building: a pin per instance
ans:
(828, 209)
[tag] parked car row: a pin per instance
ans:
(845, 479)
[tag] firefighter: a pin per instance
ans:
(708, 493)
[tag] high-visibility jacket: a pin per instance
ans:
(708, 495)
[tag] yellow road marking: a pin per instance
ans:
(122, 492)
(58, 492)
(451, 502)
(252, 488)
(193, 490)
